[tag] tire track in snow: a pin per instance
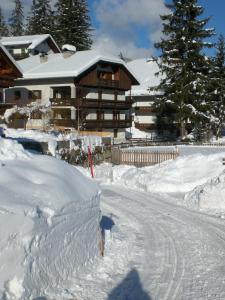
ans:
(170, 258)
(204, 247)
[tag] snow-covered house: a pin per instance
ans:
(9, 71)
(21, 47)
(86, 89)
(143, 98)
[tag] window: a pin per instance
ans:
(17, 95)
(35, 95)
(62, 92)
(100, 115)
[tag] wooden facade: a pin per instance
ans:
(8, 70)
(8, 73)
(107, 75)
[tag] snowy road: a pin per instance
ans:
(175, 253)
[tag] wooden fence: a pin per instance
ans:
(149, 143)
(141, 158)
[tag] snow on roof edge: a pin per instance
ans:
(75, 73)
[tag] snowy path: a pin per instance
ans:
(177, 253)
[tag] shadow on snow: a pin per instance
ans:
(129, 289)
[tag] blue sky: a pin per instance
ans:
(213, 8)
(132, 26)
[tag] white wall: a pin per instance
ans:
(143, 103)
(92, 115)
(147, 119)
(108, 116)
(46, 90)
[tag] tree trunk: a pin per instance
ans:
(182, 130)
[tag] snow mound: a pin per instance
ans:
(139, 134)
(10, 150)
(208, 197)
(178, 176)
(49, 220)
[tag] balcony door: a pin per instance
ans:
(100, 115)
(116, 116)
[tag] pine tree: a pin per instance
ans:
(182, 63)
(41, 18)
(217, 89)
(16, 20)
(4, 31)
(73, 24)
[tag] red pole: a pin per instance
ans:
(90, 162)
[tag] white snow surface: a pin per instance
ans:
(178, 176)
(49, 219)
(140, 134)
(209, 196)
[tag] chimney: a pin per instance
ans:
(43, 57)
(68, 50)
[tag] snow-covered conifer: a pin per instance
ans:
(183, 63)
(217, 88)
(41, 18)
(73, 24)
(4, 31)
(16, 20)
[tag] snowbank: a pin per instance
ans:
(209, 196)
(179, 176)
(10, 149)
(49, 218)
(139, 134)
(52, 137)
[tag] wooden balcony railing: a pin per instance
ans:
(143, 126)
(108, 83)
(92, 103)
(108, 124)
(144, 109)
(92, 124)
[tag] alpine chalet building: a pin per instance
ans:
(86, 90)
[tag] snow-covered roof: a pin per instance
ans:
(4, 50)
(32, 40)
(145, 70)
(57, 66)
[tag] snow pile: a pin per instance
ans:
(138, 134)
(179, 176)
(53, 137)
(49, 219)
(209, 196)
(10, 150)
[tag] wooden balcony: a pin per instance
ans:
(144, 109)
(92, 124)
(92, 103)
(107, 124)
(108, 83)
(143, 126)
